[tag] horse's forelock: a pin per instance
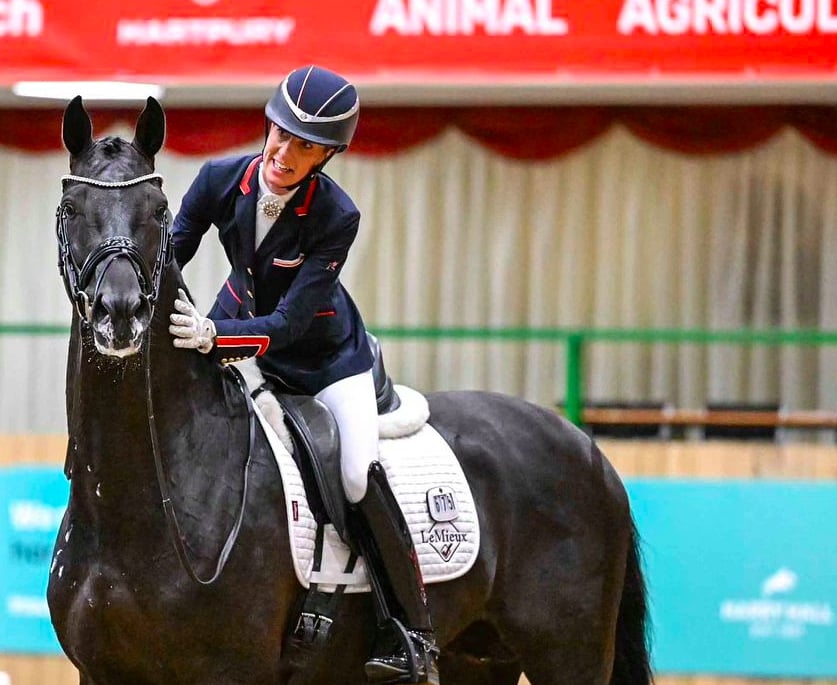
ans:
(112, 159)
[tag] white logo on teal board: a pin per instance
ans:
(783, 581)
(777, 613)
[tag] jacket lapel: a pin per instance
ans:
(245, 221)
(245, 212)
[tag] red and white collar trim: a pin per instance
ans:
(302, 210)
(245, 185)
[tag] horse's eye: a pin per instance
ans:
(161, 213)
(68, 210)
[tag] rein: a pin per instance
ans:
(162, 481)
(76, 280)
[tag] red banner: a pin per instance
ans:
(418, 41)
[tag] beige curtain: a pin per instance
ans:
(617, 234)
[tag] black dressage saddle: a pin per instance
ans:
(316, 440)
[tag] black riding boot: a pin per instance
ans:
(405, 652)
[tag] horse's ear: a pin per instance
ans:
(77, 129)
(151, 129)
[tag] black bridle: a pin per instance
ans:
(76, 281)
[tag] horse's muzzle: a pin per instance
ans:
(120, 314)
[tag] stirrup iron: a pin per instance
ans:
(413, 660)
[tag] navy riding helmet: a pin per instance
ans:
(317, 105)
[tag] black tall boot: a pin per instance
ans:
(406, 651)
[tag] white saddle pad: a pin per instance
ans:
(424, 475)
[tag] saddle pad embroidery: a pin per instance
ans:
(414, 464)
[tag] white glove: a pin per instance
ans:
(191, 331)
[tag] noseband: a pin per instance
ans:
(76, 279)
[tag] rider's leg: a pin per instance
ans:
(352, 401)
(408, 653)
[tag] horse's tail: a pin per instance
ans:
(632, 661)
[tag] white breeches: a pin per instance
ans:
(352, 401)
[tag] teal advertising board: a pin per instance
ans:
(33, 500)
(742, 575)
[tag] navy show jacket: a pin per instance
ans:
(283, 302)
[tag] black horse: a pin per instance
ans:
(556, 592)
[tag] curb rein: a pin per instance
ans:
(76, 280)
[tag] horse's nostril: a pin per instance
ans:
(126, 314)
(143, 311)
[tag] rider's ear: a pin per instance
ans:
(151, 129)
(77, 129)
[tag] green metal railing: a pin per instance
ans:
(575, 339)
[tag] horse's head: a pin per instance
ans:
(113, 227)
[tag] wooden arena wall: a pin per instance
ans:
(681, 459)
(632, 458)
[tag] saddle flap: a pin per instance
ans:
(317, 454)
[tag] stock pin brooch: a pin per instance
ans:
(271, 206)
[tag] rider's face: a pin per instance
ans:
(288, 159)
